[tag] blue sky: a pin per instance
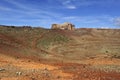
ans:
(82, 13)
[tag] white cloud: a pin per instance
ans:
(19, 5)
(71, 7)
(69, 4)
(105, 27)
(69, 17)
(101, 21)
(25, 10)
(66, 2)
(117, 21)
(79, 3)
(3, 8)
(73, 4)
(24, 13)
(89, 19)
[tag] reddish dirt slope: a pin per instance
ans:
(41, 54)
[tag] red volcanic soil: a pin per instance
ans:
(42, 54)
(32, 70)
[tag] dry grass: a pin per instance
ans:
(54, 46)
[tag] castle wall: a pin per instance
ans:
(65, 26)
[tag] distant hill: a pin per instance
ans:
(65, 45)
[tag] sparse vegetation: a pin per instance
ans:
(51, 39)
(107, 68)
(116, 56)
(84, 54)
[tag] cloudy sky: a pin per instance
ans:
(82, 13)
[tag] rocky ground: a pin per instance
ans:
(23, 69)
(28, 53)
(26, 69)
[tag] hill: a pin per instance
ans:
(86, 46)
(74, 45)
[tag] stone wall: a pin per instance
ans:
(65, 26)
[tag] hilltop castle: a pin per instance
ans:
(64, 26)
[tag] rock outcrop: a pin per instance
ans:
(64, 26)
